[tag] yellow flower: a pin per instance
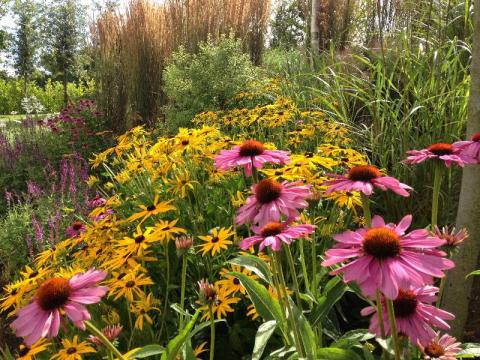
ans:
(129, 285)
(199, 350)
(139, 243)
(141, 308)
(181, 183)
(28, 353)
(92, 180)
(230, 283)
(73, 350)
(152, 209)
(217, 241)
(221, 306)
(166, 231)
(345, 199)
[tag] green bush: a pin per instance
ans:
(51, 96)
(207, 80)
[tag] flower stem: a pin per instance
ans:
(304, 267)
(276, 284)
(393, 328)
(366, 209)
(212, 333)
(441, 289)
(182, 291)
(291, 265)
(380, 314)
(437, 181)
(97, 333)
(291, 317)
(165, 306)
(254, 173)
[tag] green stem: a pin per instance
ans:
(97, 333)
(165, 306)
(380, 314)
(276, 284)
(182, 291)
(441, 290)
(291, 265)
(313, 287)
(393, 328)
(437, 181)
(212, 333)
(366, 209)
(291, 317)
(304, 267)
(254, 174)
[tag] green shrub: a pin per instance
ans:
(51, 96)
(207, 80)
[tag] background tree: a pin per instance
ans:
(65, 24)
(25, 42)
(458, 291)
(288, 26)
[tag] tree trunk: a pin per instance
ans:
(315, 27)
(458, 290)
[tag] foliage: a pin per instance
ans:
(207, 80)
(288, 26)
(50, 96)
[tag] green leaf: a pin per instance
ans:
(470, 350)
(263, 335)
(174, 345)
(352, 338)
(254, 264)
(187, 351)
(474, 273)
(266, 306)
(308, 338)
(334, 291)
(149, 350)
(336, 354)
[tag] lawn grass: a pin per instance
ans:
(19, 117)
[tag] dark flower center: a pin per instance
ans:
(251, 148)
(440, 149)
(405, 304)
(236, 281)
(267, 191)
(130, 284)
(151, 207)
(434, 350)
(77, 225)
(215, 239)
(364, 173)
(381, 243)
(33, 274)
(476, 136)
(24, 351)
(139, 239)
(185, 142)
(272, 229)
(53, 294)
(71, 350)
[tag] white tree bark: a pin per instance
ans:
(315, 27)
(458, 289)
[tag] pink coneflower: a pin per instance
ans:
(386, 258)
(111, 333)
(271, 200)
(452, 237)
(250, 154)
(41, 318)
(208, 292)
(441, 348)
(274, 233)
(75, 229)
(364, 178)
(445, 152)
(96, 201)
(413, 314)
(469, 150)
